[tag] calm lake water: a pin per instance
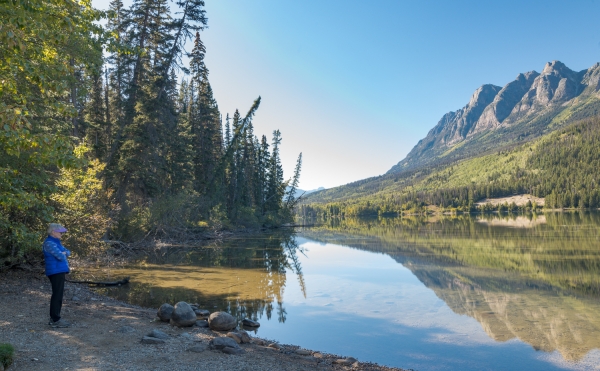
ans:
(441, 293)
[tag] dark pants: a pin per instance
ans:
(58, 289)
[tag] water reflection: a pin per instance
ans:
(534, 278)
(245, 277)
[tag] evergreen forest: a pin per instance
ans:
(106, 130)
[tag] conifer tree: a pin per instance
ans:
(275, 184)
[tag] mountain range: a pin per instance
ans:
(505, 140)
(531, 105)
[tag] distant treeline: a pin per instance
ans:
(561, 167)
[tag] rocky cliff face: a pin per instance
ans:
(529, 96)
(503, 104)
(556, 84)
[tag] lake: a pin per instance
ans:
(467, 292)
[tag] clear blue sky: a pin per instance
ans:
(354, 85)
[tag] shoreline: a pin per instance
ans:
(106, 335)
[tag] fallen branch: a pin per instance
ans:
(124, 281)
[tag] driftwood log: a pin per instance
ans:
(124, 281)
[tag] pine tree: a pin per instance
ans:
(275, 184)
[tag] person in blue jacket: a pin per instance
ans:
(57, 266)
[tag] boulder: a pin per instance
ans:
(183, 315)
(244, 336)
(250, 323)
(303, 352)
(222, 342)
(164, 312)
(235, 336)
(222, 321)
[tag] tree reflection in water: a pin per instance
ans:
(245, 276)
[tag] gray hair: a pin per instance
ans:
(54, 227)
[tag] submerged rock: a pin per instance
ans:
(250, 323)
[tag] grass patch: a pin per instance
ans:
(7, 353)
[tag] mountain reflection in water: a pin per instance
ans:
(535, 278)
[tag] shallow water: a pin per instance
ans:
(444, 293)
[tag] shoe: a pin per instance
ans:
(61, 323)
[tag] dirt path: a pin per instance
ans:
(98, 339)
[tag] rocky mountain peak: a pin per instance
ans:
(484, 95)
(521, 109)
(591, 78)
(557, 68)
(504, 102)
(555, 85)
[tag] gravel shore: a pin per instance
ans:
(106, 335)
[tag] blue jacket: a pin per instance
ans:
(56, 261)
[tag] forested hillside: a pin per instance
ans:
(100, 132)
(561, 166)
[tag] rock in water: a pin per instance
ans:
(183, 315)
(222, 342)
(250, 323)
(222, 321)
(164, 312)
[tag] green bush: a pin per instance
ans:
(7, 353)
